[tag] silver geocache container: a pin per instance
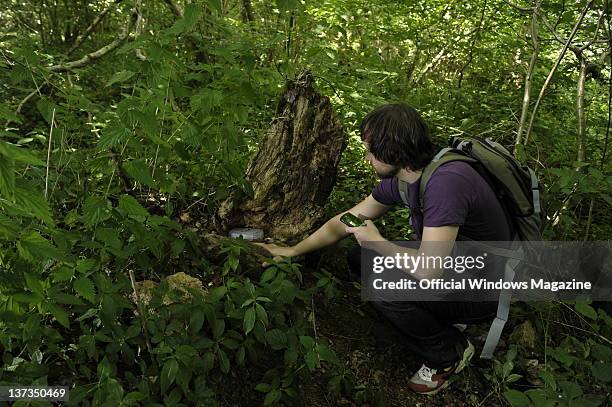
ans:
(247, 234)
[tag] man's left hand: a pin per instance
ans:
(366, 233)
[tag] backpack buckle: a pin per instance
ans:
(465, 146)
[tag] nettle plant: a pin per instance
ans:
(67, 315)
(577, 365)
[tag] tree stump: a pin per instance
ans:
(294, 170)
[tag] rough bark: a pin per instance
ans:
(294, 170)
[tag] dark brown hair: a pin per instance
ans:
(397, 135)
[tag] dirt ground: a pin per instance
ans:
(373, 351)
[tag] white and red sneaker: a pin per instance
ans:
(430, 381)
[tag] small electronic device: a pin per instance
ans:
(254, 235)
(351, 220)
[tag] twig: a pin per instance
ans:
(79, 40)
(578, 328)
(554, 68)
(138, 31)
(529, 75)
(605, 149)
(589, 220)
(49, 153)
(30, 96)
(142, 315)
(92, 56)
(314, 320)
(519, 8)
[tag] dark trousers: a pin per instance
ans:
(428, 325)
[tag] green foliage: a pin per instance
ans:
(100, 165)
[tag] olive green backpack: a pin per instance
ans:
(517, 189)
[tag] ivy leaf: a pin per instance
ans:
(168, 374)
(249, 320)
(131, 207)
(121, 76)
(85, 288)
(139, 170)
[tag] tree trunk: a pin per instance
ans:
(580, 114)
(294, 170)
(529, 75)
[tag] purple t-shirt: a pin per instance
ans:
(455, 195)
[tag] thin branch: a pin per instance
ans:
(529, 75)
(605, 149)
(588, 44)
(79, 40)
(141, 311)
(473, 43)
(30, 96)
(559, 39)
(49, 154)
(519, 8)
(175, 8)
(91, 57)
(137, 32)
(555, 66)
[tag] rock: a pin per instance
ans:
(179, 281)
(524, 335)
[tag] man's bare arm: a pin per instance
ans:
(332, 231)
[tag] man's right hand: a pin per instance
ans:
(278, 252)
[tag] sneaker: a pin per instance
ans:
(430, 381)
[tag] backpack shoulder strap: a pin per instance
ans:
(445, 155)
(404, 192)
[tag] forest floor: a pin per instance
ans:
(372, 349)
